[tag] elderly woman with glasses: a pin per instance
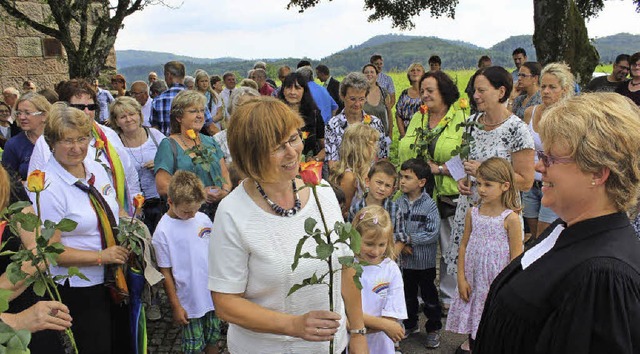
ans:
(577, 290)
(80, 94)
(257, 228)
(188, 149)
(31, 113)
(80, 189)
(353, 91)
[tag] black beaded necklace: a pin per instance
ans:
(278, 209)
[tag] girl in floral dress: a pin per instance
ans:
(492, 238)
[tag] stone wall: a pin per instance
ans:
(22, 54)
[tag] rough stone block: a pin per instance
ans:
(29, 46)
(48, 66)
(32, 9)
(13, 67)
(8, 47)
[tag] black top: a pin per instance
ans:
(17, 194)
(583, 296)
(623, 89)
(314, 125)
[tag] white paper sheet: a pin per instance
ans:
(456, 168)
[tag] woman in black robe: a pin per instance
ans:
(577, 290)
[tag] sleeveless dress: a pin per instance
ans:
(487, 254)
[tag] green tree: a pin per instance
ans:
(87, 29)
(560, 31)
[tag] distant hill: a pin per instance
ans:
(399, 52)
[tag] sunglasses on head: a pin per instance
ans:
(82, 107)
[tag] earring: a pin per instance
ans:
(593, 182)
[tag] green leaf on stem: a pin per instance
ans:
(39, 287)
(14, 273)
(296, 256)
(309, 225)
(47, 234)
(4, 299)
(28, 222)
(75, 272)
(66, 225)
(323, 251)
(356, 241)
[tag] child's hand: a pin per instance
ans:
(407, 249)
(394, 330)
(397, 249)
(180, 315)
(464, 289)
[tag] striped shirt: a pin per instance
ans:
(388, 205)
(418, 224)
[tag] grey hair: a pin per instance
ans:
(189, 79)
(260, 64)
(356, 81)
(158, 87)
(306, 72)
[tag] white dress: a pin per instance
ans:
(251, 252)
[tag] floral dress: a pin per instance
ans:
(334, 130)
(512, 136)
(487, 254)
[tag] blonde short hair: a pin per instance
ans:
(63, 118)
(601, 130)
(184, 100)
(122, 105)
(563, 73)
(37, 100)
(185, 188)
(411, 67)
(374, 221)
(259, 126)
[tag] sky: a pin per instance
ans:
(264, 29)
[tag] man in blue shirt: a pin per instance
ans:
(174, 73)
(325, 103)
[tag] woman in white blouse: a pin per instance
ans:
(256, 231)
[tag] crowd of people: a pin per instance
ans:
(527, 204)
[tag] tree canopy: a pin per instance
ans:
(87, 29)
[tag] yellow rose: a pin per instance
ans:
(464, 103)
(191, 134)
(35, 181)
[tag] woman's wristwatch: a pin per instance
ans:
(362, 331)
(441, 169)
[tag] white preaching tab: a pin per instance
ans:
(542, 248)
(456, 168)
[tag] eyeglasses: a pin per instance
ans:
(635, 65)
(524, 75)
(4, 113)
(548, 160)
(82, 107)
(194, 111)
(29, 114)
(294, 142)
(71, 142)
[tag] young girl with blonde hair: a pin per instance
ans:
(492, 238)
(382, 286)
(357, 153)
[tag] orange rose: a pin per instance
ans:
(424, 109)
(99, 145)
(464, 103)
(3, 224)
(311, 172)
(366, 119)
(35, 181)
(191, 134)
(305, 135)
(138, 201)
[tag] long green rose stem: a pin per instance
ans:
(48, 282)
(329, 262)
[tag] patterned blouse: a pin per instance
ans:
(334, 130)
(406, 107)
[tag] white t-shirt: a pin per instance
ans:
(41, 155)
(61, 199)
(141, 155)
(146, 113)
(383, 295)
(183, 246)
(252, 254)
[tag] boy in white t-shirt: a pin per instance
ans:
(181, 242)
